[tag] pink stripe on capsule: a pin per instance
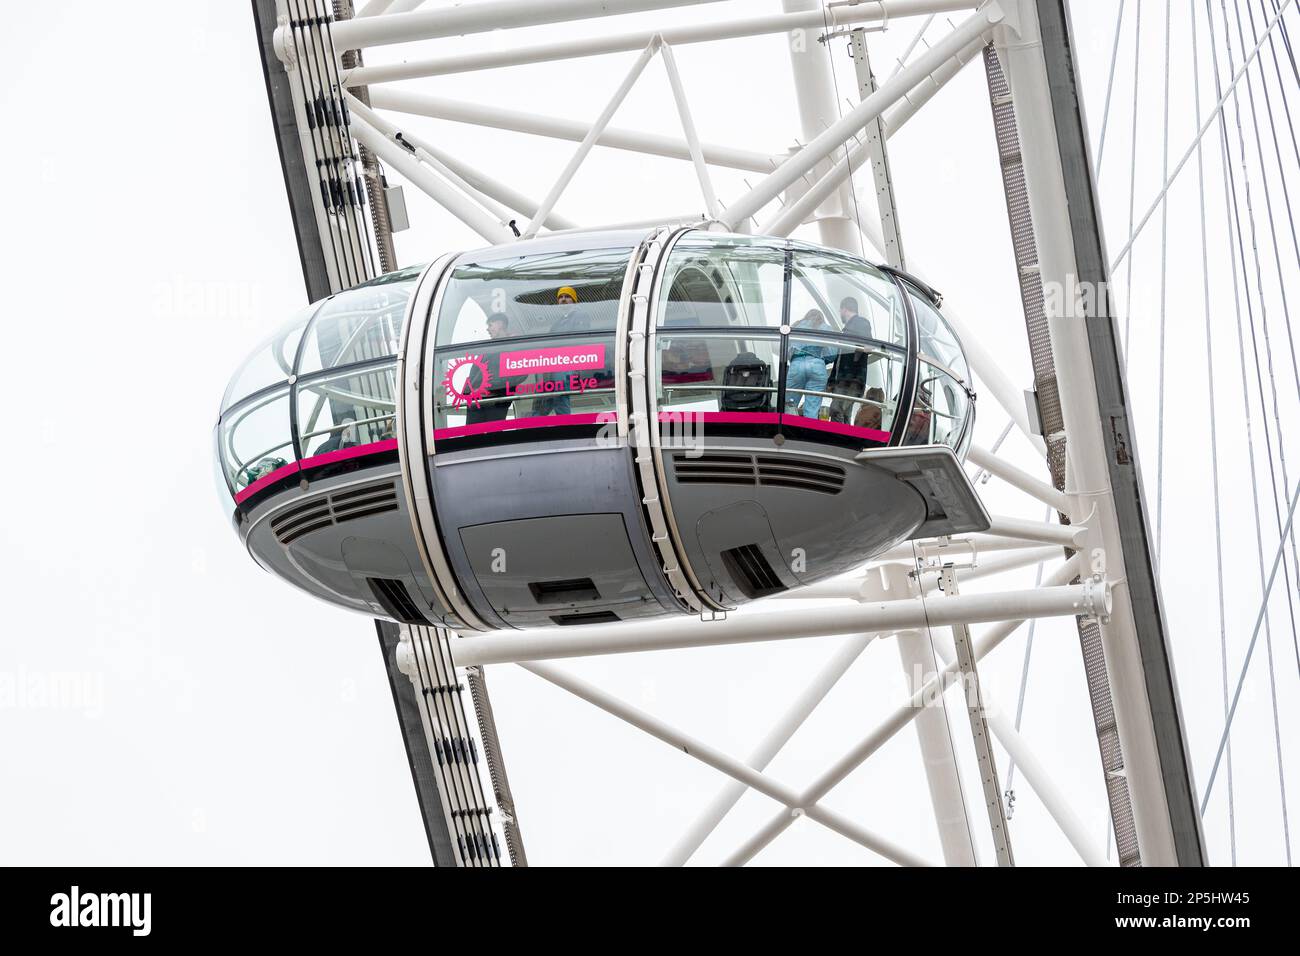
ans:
(838, 428)
(356, 451)
(534, 421)
(282, 472)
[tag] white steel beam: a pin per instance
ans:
(904, 715)
(735, 28)
(897, 118)
(588, 141)
(814, 87)
(1019, 478)
(442, 192)
(1067, 536)
(851, 587)
(1022, 755)
(410, 143)
(832, 178)
(482, 17)
(1089, 598)
(730, 766)
(475, 178)
(777, 737)
(839, 132)
(537, 124)
(953, 548)
(688, 128)
(938, 756)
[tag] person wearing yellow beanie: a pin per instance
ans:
(574, 319)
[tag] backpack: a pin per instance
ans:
(746, 377)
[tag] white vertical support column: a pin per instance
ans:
(874, 137)
(919, 667)
(1157, 785)
(815, 90)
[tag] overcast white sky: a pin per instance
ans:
(222, 717)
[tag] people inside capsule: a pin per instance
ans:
(492, 407)
(853, 322)
(870, 415)
(918, 425)
(343, 435)
(849, 371)
(259, 469)
(807, 369)
(572, 319)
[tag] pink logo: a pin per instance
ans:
(568, 358)
(459, 382)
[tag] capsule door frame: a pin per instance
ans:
(415, 450)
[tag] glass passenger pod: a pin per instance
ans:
(525, 345)
(759, 336)
(318, 398)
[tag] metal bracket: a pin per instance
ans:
(979, 729)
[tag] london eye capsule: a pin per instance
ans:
(598, 427)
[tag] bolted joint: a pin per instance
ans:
(282, 43)
(1097, 601)
(405, 656)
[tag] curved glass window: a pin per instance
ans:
(936, 340)
(359, 325)
(347, 410)
(256, 443)
(701, 372)
(528, 342)
(840, 327)
(851, 383)
(556, 293)
(940, 412)
(856, 299)
(271, 362)
(722, 281)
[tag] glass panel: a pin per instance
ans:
(255, 439)
(360, 324)
(347, 410)
(270, 363)
(853, 383)
(550, 294)
(855, 298)
(718, 373)
(941, 409)
(936, 340)
(717, 282)
(535, 378)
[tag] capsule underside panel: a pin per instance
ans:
(754, 521)
(349, 541)
(534, 514)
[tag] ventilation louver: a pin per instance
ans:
(334, 508)
(786, 471)
(714, 469)
(585, 617)
(750, 570)
(396, 600)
